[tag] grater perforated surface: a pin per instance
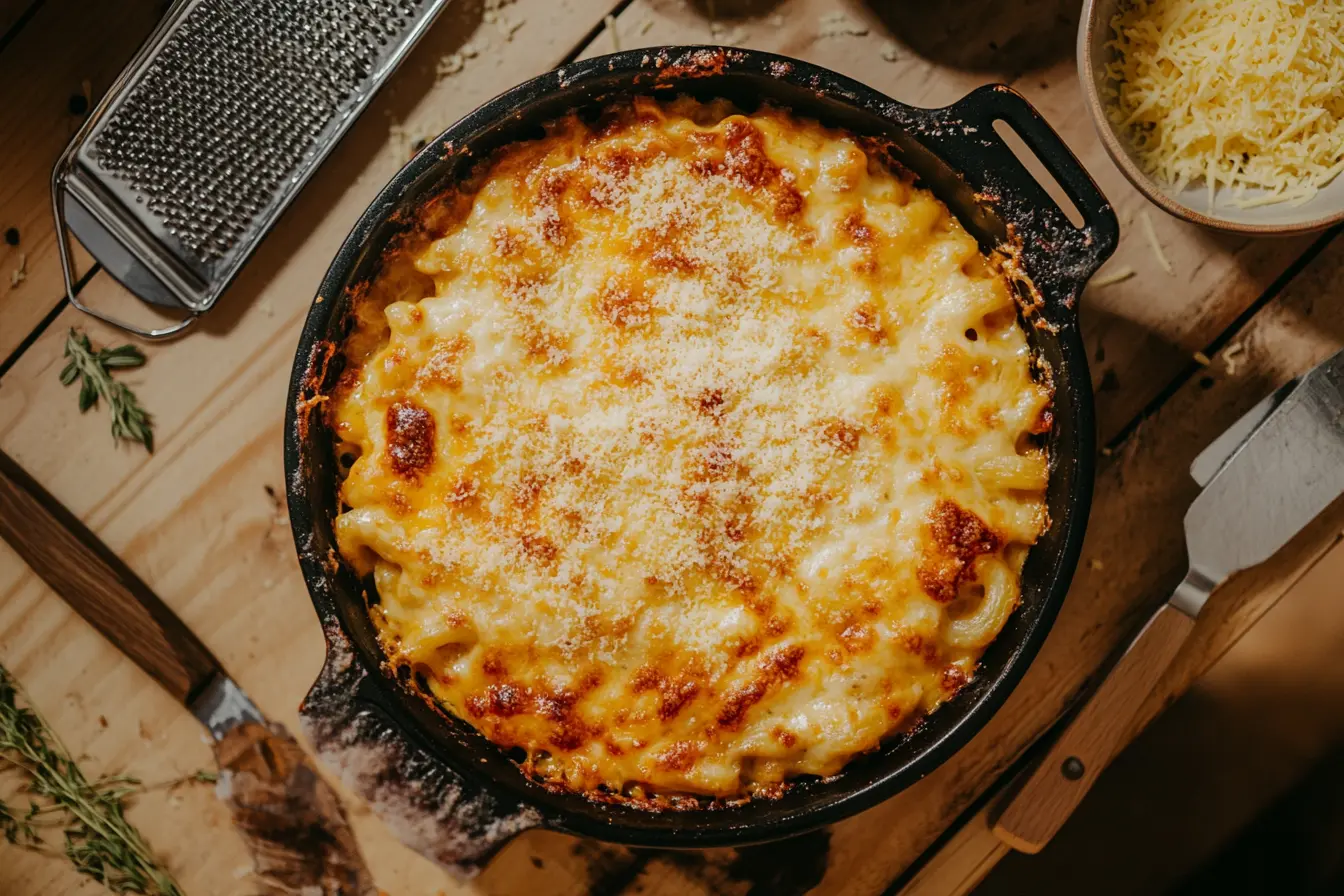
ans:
(242, 94)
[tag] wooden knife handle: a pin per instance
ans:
(99, 586)
(1053, 789)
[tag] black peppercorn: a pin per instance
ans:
(79, 104)
(12, 236)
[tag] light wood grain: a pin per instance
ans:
(196, 522)
(1063, 776)
(49, 59)
(972, 848)
(1291, 334)
(100, 587)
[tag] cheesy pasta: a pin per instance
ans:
(692, 451)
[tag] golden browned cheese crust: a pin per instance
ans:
(695, 451)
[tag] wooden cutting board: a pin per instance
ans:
(202, 520)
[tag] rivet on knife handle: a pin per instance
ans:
(99, 585)
(1055, 787)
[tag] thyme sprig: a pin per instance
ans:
(93, 368)
(90, 815)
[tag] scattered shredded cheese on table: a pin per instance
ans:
(1119, 275)
(1239, 94)
(1150, 234)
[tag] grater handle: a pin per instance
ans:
(68, 263)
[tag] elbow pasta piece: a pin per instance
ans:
(1026, 472)
(674, 466)
(1000, 596)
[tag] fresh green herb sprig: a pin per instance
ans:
(90, 816)
(93, 368)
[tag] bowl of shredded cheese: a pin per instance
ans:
(1227, 113)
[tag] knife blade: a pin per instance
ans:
(289, 816)
(1216, 453)
(1284, 473)
(1264, 480)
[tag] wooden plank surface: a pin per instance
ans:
(12, 13)
(197, 522)
(1294, 332)
(1258, 721)
(64, 48)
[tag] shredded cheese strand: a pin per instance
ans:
(1244, 95)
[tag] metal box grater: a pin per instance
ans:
(211, 131)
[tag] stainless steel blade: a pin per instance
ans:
(1212, 458)
(1289, 469)
(223, 706)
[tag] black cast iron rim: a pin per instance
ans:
(992, 195)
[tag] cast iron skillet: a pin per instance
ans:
(457, 797)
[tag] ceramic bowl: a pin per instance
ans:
(1192, 202)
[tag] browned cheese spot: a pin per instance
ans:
(956, 537)
(443, 363)
(624, 306)
(867, 319)
(841, 435)
(953, 679)
(492, 663)
(788, 201)
(538, 548)
(735, 528)
(527, 490)
(861, 234)
(717, 462)
(550, 192)
(854, 226)
(675, 694)
(776, 666)
(710, 402)
(545, 344)
(410, 438)
(924, 648)
(677, 757)
(667, 259)
(645, 678)
(746, 162)
(885, 399)
(502, 700)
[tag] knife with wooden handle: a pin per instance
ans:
(1283, 466)
(291, 819)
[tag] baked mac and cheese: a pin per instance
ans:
(693, 450)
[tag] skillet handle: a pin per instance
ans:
(435, 810)
(1058, 255)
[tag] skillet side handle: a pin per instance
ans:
(1058, 255)
(433, 809)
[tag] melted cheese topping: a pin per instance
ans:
(694, 451)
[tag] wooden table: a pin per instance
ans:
(200, 520)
